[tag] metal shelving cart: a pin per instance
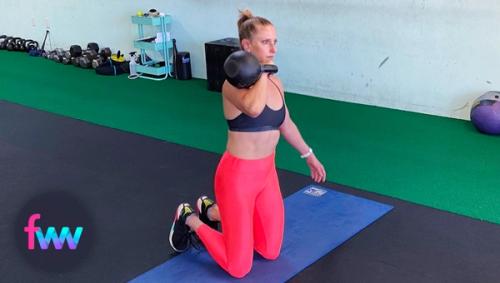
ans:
(160, 43)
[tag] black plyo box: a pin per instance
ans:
(216, 53)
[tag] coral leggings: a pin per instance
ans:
(251, 212)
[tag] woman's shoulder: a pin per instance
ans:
(276, 80)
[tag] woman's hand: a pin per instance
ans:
(318, 173)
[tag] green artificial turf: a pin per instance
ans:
(434, 161)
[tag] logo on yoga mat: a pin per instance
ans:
(54, 231)
(315, 192)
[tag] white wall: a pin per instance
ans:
(441, 54)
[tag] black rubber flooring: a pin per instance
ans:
(131, 184)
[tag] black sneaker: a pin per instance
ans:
(202, 205)
(179, 233)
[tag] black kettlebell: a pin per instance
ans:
(243, 69)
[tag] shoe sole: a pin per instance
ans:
(177, 213)
(199, 203)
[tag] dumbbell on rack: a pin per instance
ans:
(56, 55)
(102, 57)
(71, 55)
(85, 61)
(75, 52)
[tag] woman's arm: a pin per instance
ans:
(292, 135)
(250, 101)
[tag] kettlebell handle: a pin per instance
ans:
(269, 68)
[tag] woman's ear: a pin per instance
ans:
(245, 44)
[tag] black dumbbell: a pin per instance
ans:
(93, 46)
(73, 55)
(75, 51)
(85, 61)
(105, 52)
(243, 69)
(102, 57)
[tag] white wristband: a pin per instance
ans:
(307, 154)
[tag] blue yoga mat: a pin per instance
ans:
(317, 220)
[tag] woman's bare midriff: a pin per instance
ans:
(252, 145)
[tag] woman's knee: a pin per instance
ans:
(239, 271)
(270, 254)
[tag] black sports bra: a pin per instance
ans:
(268, 119)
